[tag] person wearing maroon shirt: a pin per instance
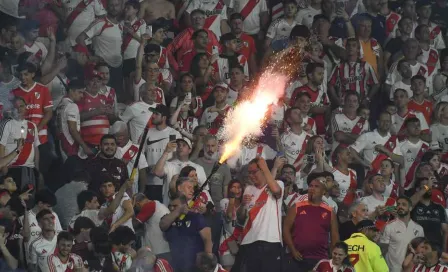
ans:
(310, 217)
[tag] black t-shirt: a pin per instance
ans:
(346, 230)
(13, 240)
(431, 218)
(393, 47)
(440, 16)
(99, 168)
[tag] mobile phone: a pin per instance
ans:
(390, 208)
(149, 30)
(187, 98)
(172, 138)
(310, 159)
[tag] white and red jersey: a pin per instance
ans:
(38, 49)
(163, 59)
(265, 215)
(439, 136)
(128, 155)
(55, 264)
(366, 143)
(306, 16)
(392, 190)
(40, 249)
(372, 202)
(10, 132)
(110, 96)
(251, 11)
(341, 123)
(356, 76)
(213, 120)
(417, 69)
(80, 13)
(130, 45)
(119, 212)
(398, 127)
(309, 122)
(215, 10)
(121, 260)
(188, 124)
(160, 94)
(67, 111)
(436, 268)
(279, 31)
(247, 154)
(197, 111)
(37, 99)
(95, 128)
(328, 266)
(294, 145)
(137, 116)
(430, 57)
(436, 36)
(107, 38)
(222, 66)
(412, 154)
(346, 181)
(392, 20)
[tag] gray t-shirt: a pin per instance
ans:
(67, 206)
(218, 181)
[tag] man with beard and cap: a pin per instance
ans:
(310, 216)
(365, 254)
(105, 162)
(431, 216)
(218, 182)
(398, 234)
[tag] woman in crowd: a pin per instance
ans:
(314, 159)
(187, 93)
(339, 260)
(205, 76)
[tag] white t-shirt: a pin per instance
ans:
(267, 224)
(293, 144)
(119, 212)
(248, 154)
(251, 24)
(156, 142)
(126, 152)
(107, 38)
(306, 16)
(139, 28)
(39, 251)
(439, 135)
(398, 236)
(400, 85)
(83, 20)
(173, 168)
(366, 144)
(137, 115)
(58, 89)
(398, 121)
(371, 203)
(279, 31)
(91, 214)
(11, 131)
(67, 111)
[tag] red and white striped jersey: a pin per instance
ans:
(188, 124)
(430, 57)
(340, 122)
(417, 69)
(398, 128)
(327, 266)
(215, 10)
(67, 111)
(40, 249)
(412, 155)
(10, 132)
(356, 76)
(37, 99)
(96, 127)
(392, 20)
(437, 268)
(223, 64)
(55, 264)
(345, 181)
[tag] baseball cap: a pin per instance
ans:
(186, 140)
(161, 109)
(76, 84)
(366, 224)
(221, 85)
(422, 3)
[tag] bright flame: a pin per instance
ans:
(248, 116)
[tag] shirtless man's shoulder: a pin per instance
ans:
(150, 10)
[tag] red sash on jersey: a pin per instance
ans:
(128, 37)
(77, 10)
(211, 18)
(376, 163)
(381, 222)
(302, 152)
(422, 71)
(296, 195)
(248, 8)
(130, 153)
(394, 192)
(351, 195)
(27, 146)
(411, 171)
(391, 21)
(433, 59)
(259, 150)
(434, 32)
(217, 123)
(402, 131)
(259, 204)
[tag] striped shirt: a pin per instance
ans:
(436, 268)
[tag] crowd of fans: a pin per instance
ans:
(349, 174)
